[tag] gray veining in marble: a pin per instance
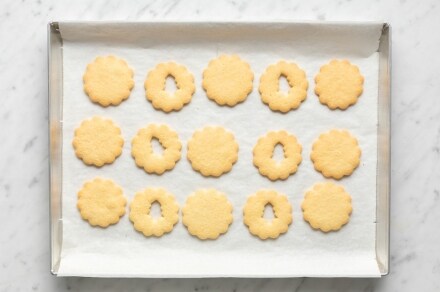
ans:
(24, 237)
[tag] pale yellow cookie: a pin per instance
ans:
(228, 80)
(336, 154)
(339, 84)
(98, 141)
(327, 206)
(207, 213)
(155, 87)
(108, 80)
(253, 213)
(101, 202)
(270, 86)
(142, 150)
(140, 209)
(212, 151)
(263, 153)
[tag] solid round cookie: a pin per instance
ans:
(212, 151)
(207, 214)
(263, 155)
(141, 217)
(339, 84)
(98, 141)
(142, 150)
(101, 202)
(228, 80)
(327, 206)
(155, 87)
(336, 154)
(253, 213)
(270, 86)
(108, 80)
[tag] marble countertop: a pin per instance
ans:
(24, 208)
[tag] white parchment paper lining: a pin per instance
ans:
(120, 251)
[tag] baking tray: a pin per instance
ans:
(55, 43)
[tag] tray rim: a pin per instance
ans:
(383, 191)
(54, 43)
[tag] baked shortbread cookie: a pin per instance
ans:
(212, 151)
(327, 206)
(108, 80)
(207, 214)
(142, 150)
(339, 84)
(270, 89)
(101, 202)
(140, 209)
(263, 153)
(228, 80)
(253, 213)
(336, 154)
(98, 141)
(155, 87)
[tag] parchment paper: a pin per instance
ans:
(120, 251)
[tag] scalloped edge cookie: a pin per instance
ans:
(155, 87)
(98, 141)
(207, 214)
(339, 84)
(263, 153)
(101, 202)
(140, 208)
(108, 80)
(142, 150)
(253, 214)
(212, 151)
(336, 154)
(270, 89)
(327, 206)
(228, 80)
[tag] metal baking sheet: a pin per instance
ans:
(55, 127)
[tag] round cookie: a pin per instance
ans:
(253, 213)
(339, 84)
(327, 206)
(101, 202)
(263, 153)
(270, 89)
(155, 87)
(108, 80)
(212, 151)
(336, 154)
(97, 141)
(207, 214)
(140, 209)
(228, 80)
(142, 150)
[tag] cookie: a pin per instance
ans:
(253, 213)
(142, 150)
(155, 87)
(270, 88)
(101, 202)
(336, 154)
(263, 153)
(140, 209)
(339, 84)
(98, 141)
(212, 151)
(108, 80)
(327, 206)
(228, 80)
(207, 213)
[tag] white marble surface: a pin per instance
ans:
(24, 229)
